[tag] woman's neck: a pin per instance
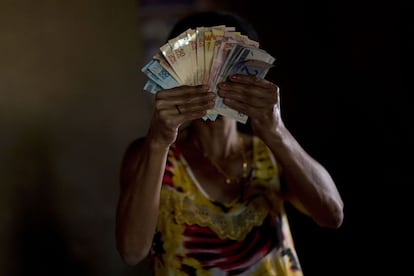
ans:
(218, 139)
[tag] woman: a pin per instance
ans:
(207, 199)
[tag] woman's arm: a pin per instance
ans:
(143, 168)
(142, 171)
(309, 185)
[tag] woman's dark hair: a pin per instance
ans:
(214, 18)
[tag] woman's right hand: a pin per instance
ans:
(175, 106)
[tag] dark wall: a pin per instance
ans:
(343, 69)
(68, 82)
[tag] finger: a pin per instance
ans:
(247, 93)
(165, 99)
(250, 110)
(191, 109)
(251, 79)
(182, 91)
(239, 106)
(176, 113)
(179, 105)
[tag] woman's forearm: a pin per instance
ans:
(307, 180)
(141, 176)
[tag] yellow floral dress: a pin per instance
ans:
(197, 236)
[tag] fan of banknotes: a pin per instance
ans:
(206, 55)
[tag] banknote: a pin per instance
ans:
(164, 63)
(200, 54)
(159, 74)
(152, 87)
(258, 68)
(207, 55)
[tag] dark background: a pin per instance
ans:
(71, 100)
(344, 68)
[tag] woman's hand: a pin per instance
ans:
(175, 106)
(257, 98)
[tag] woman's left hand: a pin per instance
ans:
(257, 98)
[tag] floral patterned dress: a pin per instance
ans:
(196, 235)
